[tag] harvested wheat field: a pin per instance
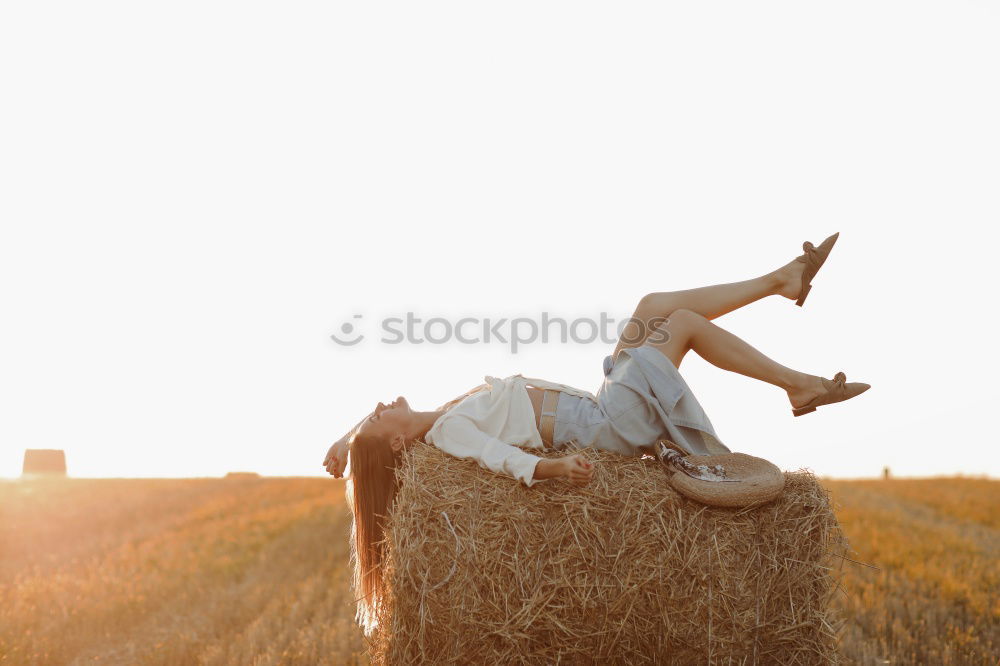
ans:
(935, 597)
(175, 571)
(255, 571)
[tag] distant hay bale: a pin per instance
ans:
(242, 475)
(51, 462)
(624, 570)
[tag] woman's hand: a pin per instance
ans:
(577, 469)
(336, 459)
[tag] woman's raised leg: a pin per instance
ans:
(686, 329)
(710, 302)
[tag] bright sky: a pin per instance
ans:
(195, 195)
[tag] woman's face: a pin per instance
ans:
(387, 420)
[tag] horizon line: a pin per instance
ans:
(52, 477)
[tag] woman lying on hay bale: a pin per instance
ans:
(642, 400)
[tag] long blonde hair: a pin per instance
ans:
(371, 490)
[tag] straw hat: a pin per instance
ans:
(730, 479)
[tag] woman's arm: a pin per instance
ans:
(336, 456)
(462, 439)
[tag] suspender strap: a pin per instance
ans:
(546, 425)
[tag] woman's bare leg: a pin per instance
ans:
(686, 329)
(710, 302)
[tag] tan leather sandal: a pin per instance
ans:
(837, 390)
(813, 258)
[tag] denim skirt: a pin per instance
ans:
(642, 399)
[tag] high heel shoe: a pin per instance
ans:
(837, 390)
(813, 258)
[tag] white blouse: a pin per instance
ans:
(485, 425)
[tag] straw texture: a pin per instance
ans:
(484, 570)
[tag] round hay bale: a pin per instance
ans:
(760, 481)
(50, 462)
(482, 569)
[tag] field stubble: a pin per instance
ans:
(256, 571)
(171, 571)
